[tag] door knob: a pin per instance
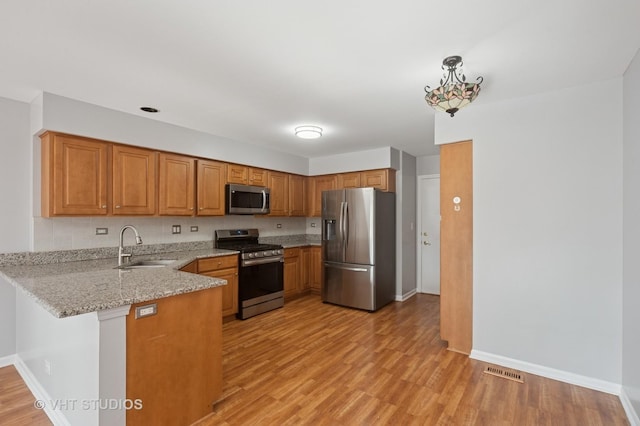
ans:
(426, 243)
(425, 234)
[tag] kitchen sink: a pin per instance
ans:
(140, 264)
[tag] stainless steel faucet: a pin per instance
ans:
(121, 255)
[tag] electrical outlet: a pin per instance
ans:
(176, 229)
(47, 367)
(194, 229)
(279, 225)
(313, 224)
(102, 231)
(146, 310)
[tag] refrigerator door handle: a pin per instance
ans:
(346, 268)
(346, 224)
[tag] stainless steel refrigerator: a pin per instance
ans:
(358, 247)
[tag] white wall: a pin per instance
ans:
(547, 184)
(428, 165)
(70, 346)
(15, 213)
(379, 158)
(631, 227)
(406, 227)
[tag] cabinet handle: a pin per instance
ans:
(201, 208)
(190, 208)
(104, 206)
(117, 207)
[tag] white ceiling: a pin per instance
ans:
(252, 70)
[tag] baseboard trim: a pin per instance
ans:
(550, 373)
(6, 361)
(39, 393)
(632, 416)
(406, 296)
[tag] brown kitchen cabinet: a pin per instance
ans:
(134, 180)
(349, 180)
(315, 269)
(292, 272)
(383, 179)
(305, 263)
(74, 175)
(211, 177)
(297, 195)
(174, 358)
(176, 185)
(319, 184)
(245, 175)
(225, 267)
(278, 183)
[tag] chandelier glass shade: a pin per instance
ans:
(454, 92)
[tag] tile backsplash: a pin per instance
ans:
(68, 233)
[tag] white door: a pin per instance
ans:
(429, 234)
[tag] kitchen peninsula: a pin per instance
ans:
(90, 354)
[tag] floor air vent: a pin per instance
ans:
(514, 375)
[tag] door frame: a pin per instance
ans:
(418, 229)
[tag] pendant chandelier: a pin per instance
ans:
(454, 93)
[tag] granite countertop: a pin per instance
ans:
(76, 287)
(289, 241)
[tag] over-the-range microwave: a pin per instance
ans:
(246, 199)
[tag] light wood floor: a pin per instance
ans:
(311, 363)
(16, 401)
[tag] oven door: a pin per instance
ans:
(261, 281)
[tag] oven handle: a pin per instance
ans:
(261, 261)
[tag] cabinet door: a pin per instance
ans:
(349, 180)
(257, 177)
(315, 282)
(74, 175)
(384, 179)
(211, 177)
(279, 196)
(229, 291)
(297, 195)
(174, 359)
(291, 271)
(237, 174)
(176, 185)
(305, 268)
(134, 180)
(321, 183)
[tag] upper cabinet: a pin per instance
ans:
(245, 175)
(278, 183)
(176, 185)
(211, 181)
(349, 180)
(297, 195)
(74, 175)
(384, 179)
(90, 177)
(317, 185)
(134, 180)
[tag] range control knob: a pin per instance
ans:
(250, 255)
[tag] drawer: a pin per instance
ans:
(219, 262)
(291, 252)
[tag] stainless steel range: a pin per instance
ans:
(260, 275)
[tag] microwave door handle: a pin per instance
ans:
(264, 200)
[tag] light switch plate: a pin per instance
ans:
(176, 229)
(102, 231)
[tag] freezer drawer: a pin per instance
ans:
(349, 285)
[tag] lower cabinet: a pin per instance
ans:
(174, 358)
(225, 267)
(302, 270)
(292, 272)
(315, 269)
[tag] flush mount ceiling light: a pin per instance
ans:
(454, 93)
(308, 132)
(151, 110)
